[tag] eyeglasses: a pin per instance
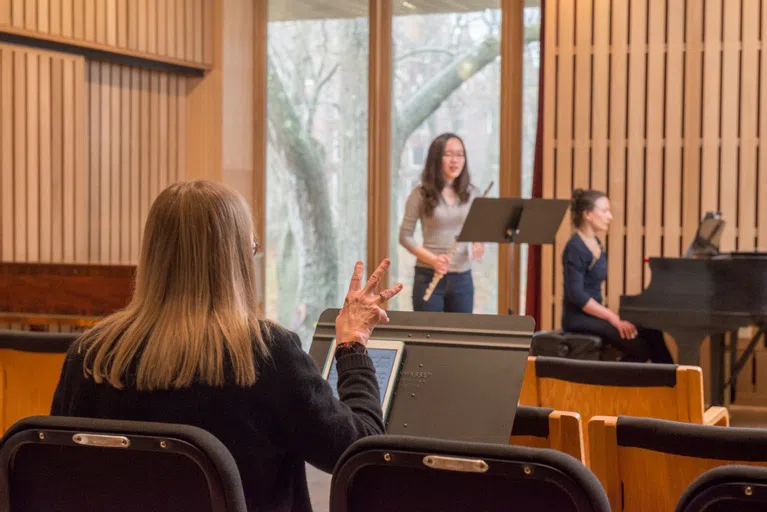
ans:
(456, 155)
(256, 247)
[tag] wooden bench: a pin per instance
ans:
(541, 427)
(647, 464)
(600, 388)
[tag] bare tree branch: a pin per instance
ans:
(316, 96)
(420, 51)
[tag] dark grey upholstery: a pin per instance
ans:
(393, 473)
(702, 441)
(725, 489)
(606, 373)
(36, 341)
(164, 467)
(568, 345)
(531, 421)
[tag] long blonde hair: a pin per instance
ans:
(194, 311)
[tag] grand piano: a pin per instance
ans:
(706, 293)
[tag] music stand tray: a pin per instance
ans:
(508, 220)
(461, 374)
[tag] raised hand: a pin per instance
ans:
(477, 251)
(362, 310)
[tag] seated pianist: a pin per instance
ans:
(584, 265)
(190, 348)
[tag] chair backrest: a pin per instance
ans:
(601, 388)
(430, 475)
(32, 364)
(727, 488)
(646, 464)
(82, 464)
(542, 427)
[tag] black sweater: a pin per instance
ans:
(583, 277)
(289, 416)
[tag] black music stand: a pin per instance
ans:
(510, 220)
(461, 375)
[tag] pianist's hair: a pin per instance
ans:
(194, 311)
(583, 201)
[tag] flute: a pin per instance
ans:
(437, 276)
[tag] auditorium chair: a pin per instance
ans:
(397, 473)
(82, 464)
(601, 388)
(32, 364)
(543, 427)
(727, 488)
(646, 464)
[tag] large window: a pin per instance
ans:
(317, 157)
(446, 78)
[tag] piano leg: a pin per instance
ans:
(688, 345)
(716, 371)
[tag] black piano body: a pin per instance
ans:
(694, 298)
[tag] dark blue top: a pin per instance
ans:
(583, 277)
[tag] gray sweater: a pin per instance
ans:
(439, 230)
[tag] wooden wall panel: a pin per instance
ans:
(148, 28)
(80, 143)
(677, 103)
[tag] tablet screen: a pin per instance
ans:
(383, 360)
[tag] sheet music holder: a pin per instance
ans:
(509, 220)
(706, 241)
(461, 375)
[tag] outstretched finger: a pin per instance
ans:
(391, 292)
(375, 278)
(356, 282)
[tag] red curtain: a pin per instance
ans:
(533, 298)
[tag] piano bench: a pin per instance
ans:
(567, 345)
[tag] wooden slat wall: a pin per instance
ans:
(661, 104)
(77, 178)
(174, 29)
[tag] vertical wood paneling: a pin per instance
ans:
(635, 169)
(43, 16)
(115, 167)
(672, 190)
(548, 167)
(712, 78)
(81, 164)
(582, 106)
(692, 114)
(19, 153)
(39, 110)
(728, 185)
(135, 169)
(32, 148)
(45, 157)
(5, 13)
(144, 131)
(125, 164)
(105, 170)
(94, 155)
(162, 123)
(677, 99)
(6, 151)
(564, 133)
(57, 164)
(69, 160)
(17, 13)
(654, 132)
(67, 17)
(78, 20)
(617, 166)
(601, 92)
(162, 31)
(54, 17)
(749, 107)
(762, 182)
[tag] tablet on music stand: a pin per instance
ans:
(387, 359)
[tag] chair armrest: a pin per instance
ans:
(717, 416)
